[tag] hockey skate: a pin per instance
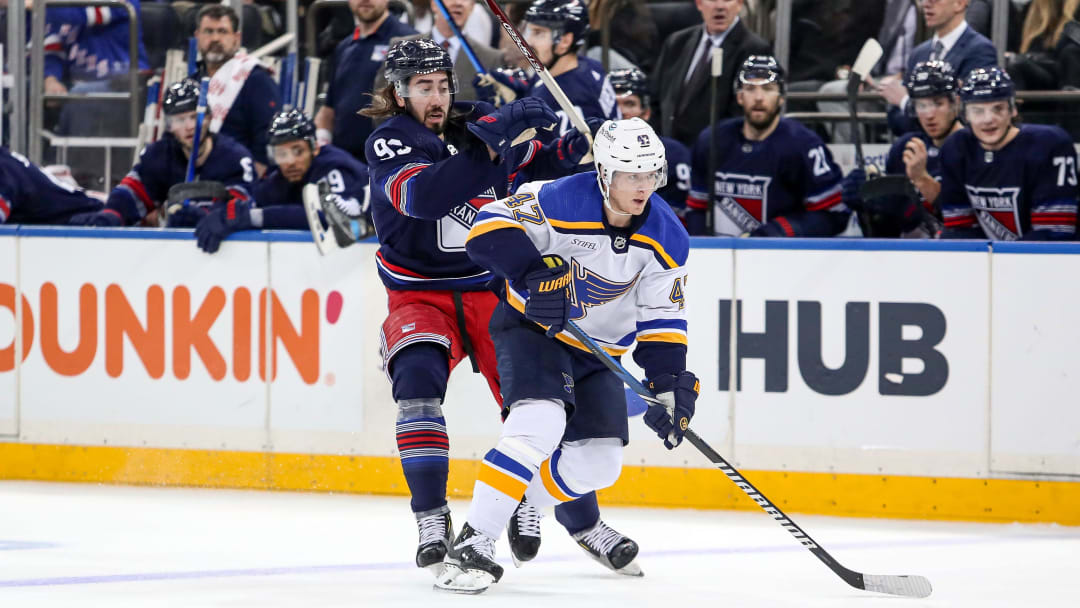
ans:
(470, 566)
(436, 532)
(613, 550)
(523, 532)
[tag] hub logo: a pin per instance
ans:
(771, 345)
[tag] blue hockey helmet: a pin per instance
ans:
(181, 96)
(631, 82)
(408, 58)
(760, 69)
(931, 79)
(291, 124)
(562, 16)
(987, 84)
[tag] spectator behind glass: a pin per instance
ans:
(355, 63)
(633, 31)
(681, 78)
(243, 95)
(953, 41)
(1049, 55)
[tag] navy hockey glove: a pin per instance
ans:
(501, 129)
(549, 295)
(222, 221)
(105, 218)
(851, 184)
(186, 216)
(773, 228)
(514, 80)
(573, 147)
(678, 393)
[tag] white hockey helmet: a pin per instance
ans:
(628, 146)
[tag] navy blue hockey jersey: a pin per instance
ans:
(163, 163)
(28, 195)
(1026, 190)
(346, 177)
(426, 192)
(587, 87)
(678, 181)
(788, 180)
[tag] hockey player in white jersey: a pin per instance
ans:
(601, 249)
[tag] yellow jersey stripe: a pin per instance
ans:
(491, 226)
(576, 225)
(652, 244)
(501, 482)
(663, 337)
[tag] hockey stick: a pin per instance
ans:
(310, 89)
(192, 57)
(716, 69)
(549, 81)
(479, 67)
(868, 57)
(906, 585)
(340, 230)
(196, 143)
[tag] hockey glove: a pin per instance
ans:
(514, 80)
(678, 393)
(222, 221)
(186, 216)
(493, 91)
(851, 184)
(549, 295)
(573, 147)
(501, 129)
(105, 218)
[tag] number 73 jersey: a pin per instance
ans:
(628, 285)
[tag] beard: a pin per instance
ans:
(764, 123)
(216, 54)
(369, 15)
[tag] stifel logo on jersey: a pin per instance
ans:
(998, 211)
(139, 318)
(744, 199)
(590, 289)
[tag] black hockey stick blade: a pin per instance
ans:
(903, 585)
(197, 191)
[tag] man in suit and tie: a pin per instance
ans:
(953, 42)
(681, 78)
(444, 36)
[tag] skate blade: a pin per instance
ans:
(631, 569)
(437, 569)
(467, 582)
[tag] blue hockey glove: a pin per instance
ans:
(187, 216)
(770, 228)
(514, 80)
(678, 393)
(222, 221)
(501, 129)
(851, 184)
(572, 147)
(549, 296)
(105, 217)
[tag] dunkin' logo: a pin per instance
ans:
(141, 319)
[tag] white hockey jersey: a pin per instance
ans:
(625, 289)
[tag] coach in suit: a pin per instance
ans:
(681, 79)
(953, 41)
(443, 35)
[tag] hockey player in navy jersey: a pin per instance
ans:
(632, 93)
(1001, 181)
(773, 176)
(602, 249)
(29, 195)
(278, 201)
(932, 88)
(165, 162)
(556, 30)
(433, 165)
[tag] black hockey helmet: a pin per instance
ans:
(987, 84)
(408, 58)
(931, 79)
(291, 124)
(631, 82)
(760, 69)
(562, 16)
(181, 96)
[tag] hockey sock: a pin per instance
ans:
(530, 433)
(578, 515)
(425, 452)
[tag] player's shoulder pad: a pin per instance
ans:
(797, 134)
(331, 154)
(664, 234)
(1045, 137)
(405, 129)
(574, 198)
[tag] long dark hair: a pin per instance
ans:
(383, 104)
